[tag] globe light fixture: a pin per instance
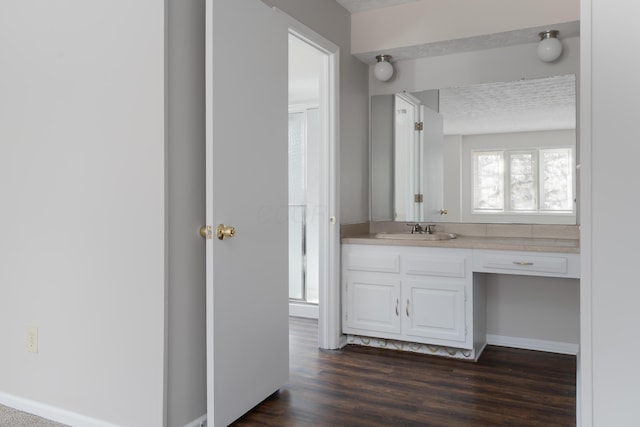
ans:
(549, 48)
(383, 70)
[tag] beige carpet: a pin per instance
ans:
(10, 417)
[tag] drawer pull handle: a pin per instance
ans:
(407, 308)
(522, 263)
(397, 307)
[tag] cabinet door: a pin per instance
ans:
(373, 304)
(434, 309)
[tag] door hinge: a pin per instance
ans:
(418, 198)
(418, 126)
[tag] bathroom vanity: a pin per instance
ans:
(430, 296)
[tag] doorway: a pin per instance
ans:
(313, 182)
(305, 141)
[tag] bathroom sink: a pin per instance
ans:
(416, 236)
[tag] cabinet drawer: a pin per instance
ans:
(435, 266)
(557, 265)
(383, 263)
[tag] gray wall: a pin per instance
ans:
(333, 22)
(382, 163)
(83, 224)
(538, 308)
(111, 166)
(610, 236)
(186, 358)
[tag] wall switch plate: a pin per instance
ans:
(32, 339)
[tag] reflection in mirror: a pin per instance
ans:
(498, 152)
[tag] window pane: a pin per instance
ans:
(297, 182)
(488, 181)
(523, 182)
(557, 180)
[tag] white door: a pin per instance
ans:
(247, 298)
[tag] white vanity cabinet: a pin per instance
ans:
(413, 298)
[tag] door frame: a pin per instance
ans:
(329, 330)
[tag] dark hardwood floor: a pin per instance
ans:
(363, 386)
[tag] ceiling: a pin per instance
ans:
(470, 44)
(520, 106)
(487, 41)
(355, 6)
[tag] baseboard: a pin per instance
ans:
(309, 311)
(51, 412)
(533, 344)
(343, 341)
(200, 422)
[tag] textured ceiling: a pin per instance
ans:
(524, 105)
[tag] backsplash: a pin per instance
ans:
(535, 231)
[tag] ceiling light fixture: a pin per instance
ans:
(549, 48)
(383, 69)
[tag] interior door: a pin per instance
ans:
(247, 274)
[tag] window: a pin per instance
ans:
(531, 181)
(518, 177)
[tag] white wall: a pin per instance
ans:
(331, 21)
(83, 224)
(610, 231)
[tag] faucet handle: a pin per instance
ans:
(415, 228)
(429, 228)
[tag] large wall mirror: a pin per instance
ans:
(502, 152)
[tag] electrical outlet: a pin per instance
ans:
(32, 339)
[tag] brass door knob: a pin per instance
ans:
(225, 231)
(443, 212)
(205, 231)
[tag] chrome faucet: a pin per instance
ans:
(416, 228)
(430, 229)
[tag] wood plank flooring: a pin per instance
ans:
(362, 386)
